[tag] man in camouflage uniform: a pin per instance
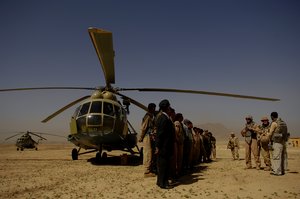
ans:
(147, 130)
(279, 135)
(264, 141)
(249, 132)
(233, 145)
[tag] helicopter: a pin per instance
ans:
(26, 141)
(100, 121)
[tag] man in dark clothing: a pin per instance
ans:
(164, 144)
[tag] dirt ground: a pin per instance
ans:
(50, 173)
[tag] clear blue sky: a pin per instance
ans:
(243, 47)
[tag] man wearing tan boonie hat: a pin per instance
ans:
(264, 129)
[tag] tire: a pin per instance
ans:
(104, 155)
(74, 154)
(98, 156)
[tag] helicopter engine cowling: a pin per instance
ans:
(108, 95)
(97, 95)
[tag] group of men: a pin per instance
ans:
(172, 145)
(268, 139)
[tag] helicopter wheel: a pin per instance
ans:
(74, 154)
(98, 156)
(22, 149)
(17, 149)
(104, 155)
(36, 148)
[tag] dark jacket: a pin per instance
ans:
(165, 136)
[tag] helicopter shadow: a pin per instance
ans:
(122, 160)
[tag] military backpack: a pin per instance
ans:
(281, 133)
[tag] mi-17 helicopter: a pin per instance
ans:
(27, 142)
(100, 121)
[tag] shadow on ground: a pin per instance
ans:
(122, 160)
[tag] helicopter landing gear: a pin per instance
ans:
(22, 149)
(75, 154)
(104, 155)
(36, 148)
(101, 156)
(17, 149)
(98, 156)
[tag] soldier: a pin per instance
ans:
(264, 142)
(233, 145)
(147, 130)
(279, 135)
(249, 132)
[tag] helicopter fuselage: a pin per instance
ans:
(26, 142)
(101, 123)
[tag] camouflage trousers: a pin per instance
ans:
(235, 153)
(252, 147)
(264, 150)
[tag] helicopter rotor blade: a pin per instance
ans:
(47, 88)
(102, 41)
(198, 92)
(51, 134)
(64, 108)
(14, 135)
(36, 135)
(138, 104)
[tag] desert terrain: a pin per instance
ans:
(51, 173)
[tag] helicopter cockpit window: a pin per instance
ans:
(76, 112)
(108, 109)
(84, 109)
(94, 120)
(96, 107)
(118, 112)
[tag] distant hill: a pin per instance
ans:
(219, 131)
